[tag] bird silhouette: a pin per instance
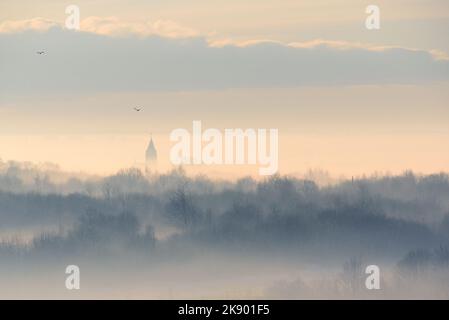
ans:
(137, 109)
(40, 52)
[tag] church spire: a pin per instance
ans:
(151, 156)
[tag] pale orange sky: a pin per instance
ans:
(82, 118)
(339, 154)
(408, 129)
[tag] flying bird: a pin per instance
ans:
(137, 109)
(40, 52)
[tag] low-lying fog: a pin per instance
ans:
(171, 236)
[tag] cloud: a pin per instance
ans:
(109, 26)
(35, 24)
(345, 45)
(439, 55)
(113, 26)
(219, 43)
(317, 43)
(170, 29)
(89, 61)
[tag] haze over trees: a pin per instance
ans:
(150, 224)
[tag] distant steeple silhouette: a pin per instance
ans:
(150, 157)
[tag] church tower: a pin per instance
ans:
(151, 157)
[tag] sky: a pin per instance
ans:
(345, 99)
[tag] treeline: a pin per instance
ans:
(378, 215)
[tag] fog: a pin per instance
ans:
(137, 235)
